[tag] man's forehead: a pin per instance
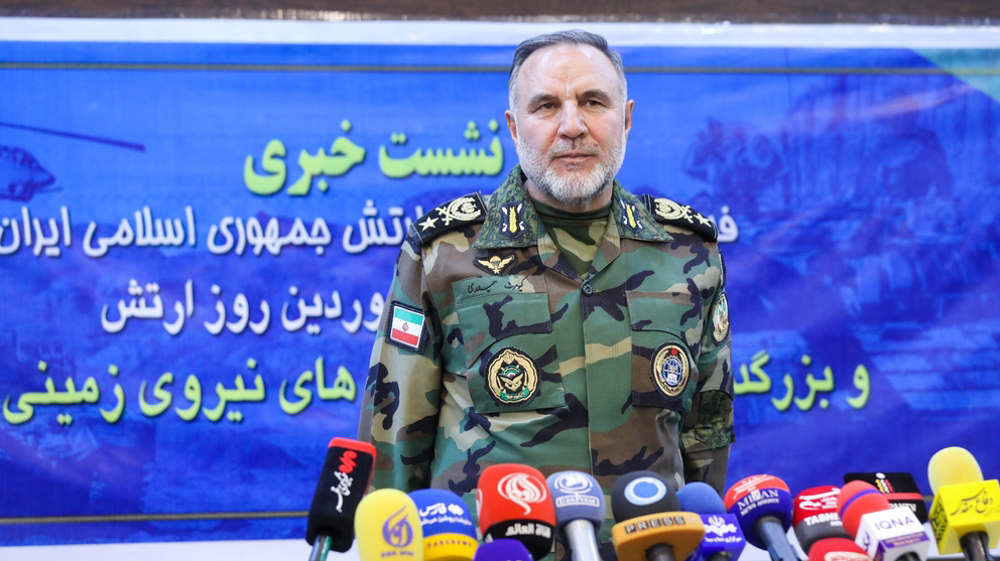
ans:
(565, 61)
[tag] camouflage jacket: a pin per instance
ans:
(493, 349)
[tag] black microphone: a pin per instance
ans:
(650, 525)
(342, 484)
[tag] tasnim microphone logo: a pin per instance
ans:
(820, 501)
(396, 530)
(522, 489)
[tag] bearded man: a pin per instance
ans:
(561, 322)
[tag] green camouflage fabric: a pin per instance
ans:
(521, 359)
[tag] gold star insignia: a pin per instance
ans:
(428, 224)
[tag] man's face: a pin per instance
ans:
(570, 126)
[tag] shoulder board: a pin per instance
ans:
(666, 211)
(465, 210)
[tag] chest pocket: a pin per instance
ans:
(510, 358)
(664, 370)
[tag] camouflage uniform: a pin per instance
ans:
(492, 349)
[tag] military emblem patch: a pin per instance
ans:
(670, 369)
(406, 327)
(496, 264)
(628, 217)
(720, 319)
(513, 226)
(511, 377)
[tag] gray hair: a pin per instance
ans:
(571, 37)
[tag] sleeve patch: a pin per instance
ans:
(406, 327)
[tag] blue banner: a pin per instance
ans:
(196, 239)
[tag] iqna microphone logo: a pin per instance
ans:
(522, 489)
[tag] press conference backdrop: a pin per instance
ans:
(198, 223)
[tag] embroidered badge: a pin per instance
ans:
(406, 327)
(628, 217)
(464, 209)
(670, 369)
(495, 265)
(513, 227)
(720, 319)
(511, 377)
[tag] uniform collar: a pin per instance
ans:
(511, 219)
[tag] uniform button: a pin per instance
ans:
(587, 289)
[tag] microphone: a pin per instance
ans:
(579, 509)
(762, 505)
(885, 533)
(837, 549)
(449, 534)
(965, 514)
(649, 523)
(503, 549)
(346, 474)
(723, 538)
(816, 516)
(513, 501)
(388, 526)
(897, 486)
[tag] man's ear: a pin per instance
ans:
(511, 125)
(628, 116)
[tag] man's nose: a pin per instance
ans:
(573, 123)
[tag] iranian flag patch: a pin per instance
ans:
(406, 327)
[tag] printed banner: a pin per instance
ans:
(196, 240)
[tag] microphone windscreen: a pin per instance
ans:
(503, 549)
(756, 497)
(576, 496)
(700, 498)
(346, 474)
(837, 549)
(443, 512)
(449, 534)
(514, 502)
(639, 493)
(952, 466)
(857, 499)
(816, 516)
(388, 526)
(898, 486)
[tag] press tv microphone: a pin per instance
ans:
(514, 502)
(816, 516)
(503, 549)
(650, 525)
(579, 507)
(897, 486)
(388, 526)
(449, 534)
(837, 549)
(762, 505)
(343, 482)
(965, 513)
(885, 533)
(723, 538)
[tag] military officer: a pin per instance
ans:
(560, 322)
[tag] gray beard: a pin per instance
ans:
(575, 189)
